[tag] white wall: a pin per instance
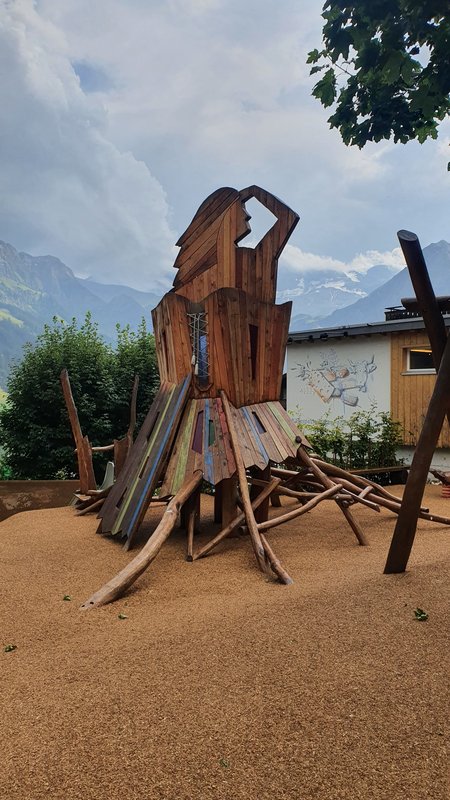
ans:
(339, 377)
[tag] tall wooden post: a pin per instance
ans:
(405, 529)
(262, 514)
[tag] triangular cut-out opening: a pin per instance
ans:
(262, 220)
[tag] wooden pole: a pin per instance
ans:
(190, 534)
(83, 448)
(127, 576)
(263, 511)
(92, 506)
(426, 298)
(243, 485)
(228, 499)
(350, 493)
(327, 483)
(190, 513)
(405, 529)
(333, 471)
(275, 563)
(238, 520)
(297, 512)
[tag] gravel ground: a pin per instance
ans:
(221, 684)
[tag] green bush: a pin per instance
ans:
(366, 440)
(35, 432)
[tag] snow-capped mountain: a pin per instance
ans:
(316, 294)
(371, 308)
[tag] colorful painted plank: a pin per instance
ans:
(148, 456)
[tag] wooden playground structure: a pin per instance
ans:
(220, 341)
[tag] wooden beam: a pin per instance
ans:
(426, 298)
(297, 512)
(238, 520)
(327, 483)
(264, 474)
(243, 485)
(405, 529)
(83, 448)
(127, 576)
(275, 563)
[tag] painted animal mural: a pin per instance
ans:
(337, 378)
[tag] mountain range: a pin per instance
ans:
(34, 289)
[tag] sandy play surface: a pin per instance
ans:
(221, 684)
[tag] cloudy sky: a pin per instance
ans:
(120, 116)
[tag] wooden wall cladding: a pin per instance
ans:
(210, 258)
(247, 340)
(411, 393)
(130, 496)
(266, 433)
(173, 344)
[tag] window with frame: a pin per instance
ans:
(199, 342)
(419, 360)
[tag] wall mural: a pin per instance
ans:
(337, 378)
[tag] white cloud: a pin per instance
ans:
(67, 188)
(194, 94)
(296, 260)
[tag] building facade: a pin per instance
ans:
(339, 371)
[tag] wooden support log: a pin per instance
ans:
(262, 512)
(93, 506)
(405, 529)
(327, 483)
(396, 509)
(188, 519)
(275, 500)
(190, 534)
(275, 563)
(218, 503)
(332, 471)
(350, 495)
(122, 447)
(98, 493)
(238, 520)
(297, 512)
(374, 490)
(243, 485)
(83, 447)
(426, 298)
(127, 576)
(283, 490)
(228, 499)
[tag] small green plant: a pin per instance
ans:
(366, 440)
(67, 597)
(122, 616)
(420, 615)
(9, 648)
(224, 763)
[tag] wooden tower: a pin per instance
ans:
(220, 340)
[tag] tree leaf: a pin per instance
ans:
(325, 89)
(313, 57)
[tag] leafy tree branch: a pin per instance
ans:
(385, 66)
